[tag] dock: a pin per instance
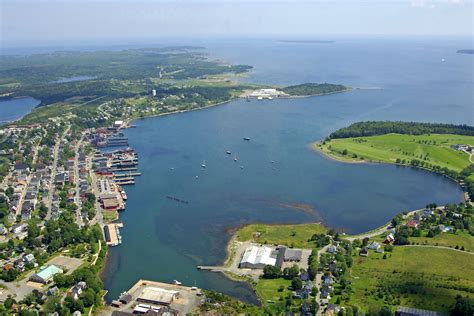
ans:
(112, 234)
(124, 169)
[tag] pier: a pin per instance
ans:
(112, 234)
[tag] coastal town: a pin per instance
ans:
(63, 189)
(59, 174)
(161, 181)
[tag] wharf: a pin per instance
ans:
(132, 174)
(125, 181)
(112, 234)
(124, 169)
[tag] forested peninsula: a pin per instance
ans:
(309, 89)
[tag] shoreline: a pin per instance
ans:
(313, 146)
(130, 120)
(6, 99)
(127, 121)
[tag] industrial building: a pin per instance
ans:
(156, 295)
(257, 257)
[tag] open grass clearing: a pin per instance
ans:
(460, 239)
(289, 235)
(433, 149)
(427, 278)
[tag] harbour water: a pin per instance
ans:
(165, 240)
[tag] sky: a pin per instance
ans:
(32, 22)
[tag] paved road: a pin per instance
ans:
(77, 150)
(28, 179)
(54, 170)
(380, 230)
(319, 279)
(98, 218)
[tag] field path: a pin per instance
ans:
(442, 247)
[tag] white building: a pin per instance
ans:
(267, 94)
(118, 123)
(256, 257)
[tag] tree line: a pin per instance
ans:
(373, 128)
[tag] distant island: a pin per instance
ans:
(307, 41)
(465, 51)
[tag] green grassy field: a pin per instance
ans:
(427, 278)
(461, 239)
(272, 299)
(289, 235)
(267, 289)
(434, 149)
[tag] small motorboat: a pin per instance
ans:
(228, 152)
(176, 282)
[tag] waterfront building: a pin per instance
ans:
(257, 257)
(155, 295)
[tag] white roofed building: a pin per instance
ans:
(257, 257)
(155, 295)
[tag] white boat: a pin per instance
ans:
(235, 158)
(260, 98)
(124, 195)
(203, 164)
(228, 152)
(176, 282)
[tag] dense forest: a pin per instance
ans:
(373, 128)
(313, 89)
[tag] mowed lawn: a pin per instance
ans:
(267, 289)
(461, 239)
(434, 148)
(270, 296)
(289, 235)
(428, 278)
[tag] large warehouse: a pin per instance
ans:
(257, 257)
(156, 295)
